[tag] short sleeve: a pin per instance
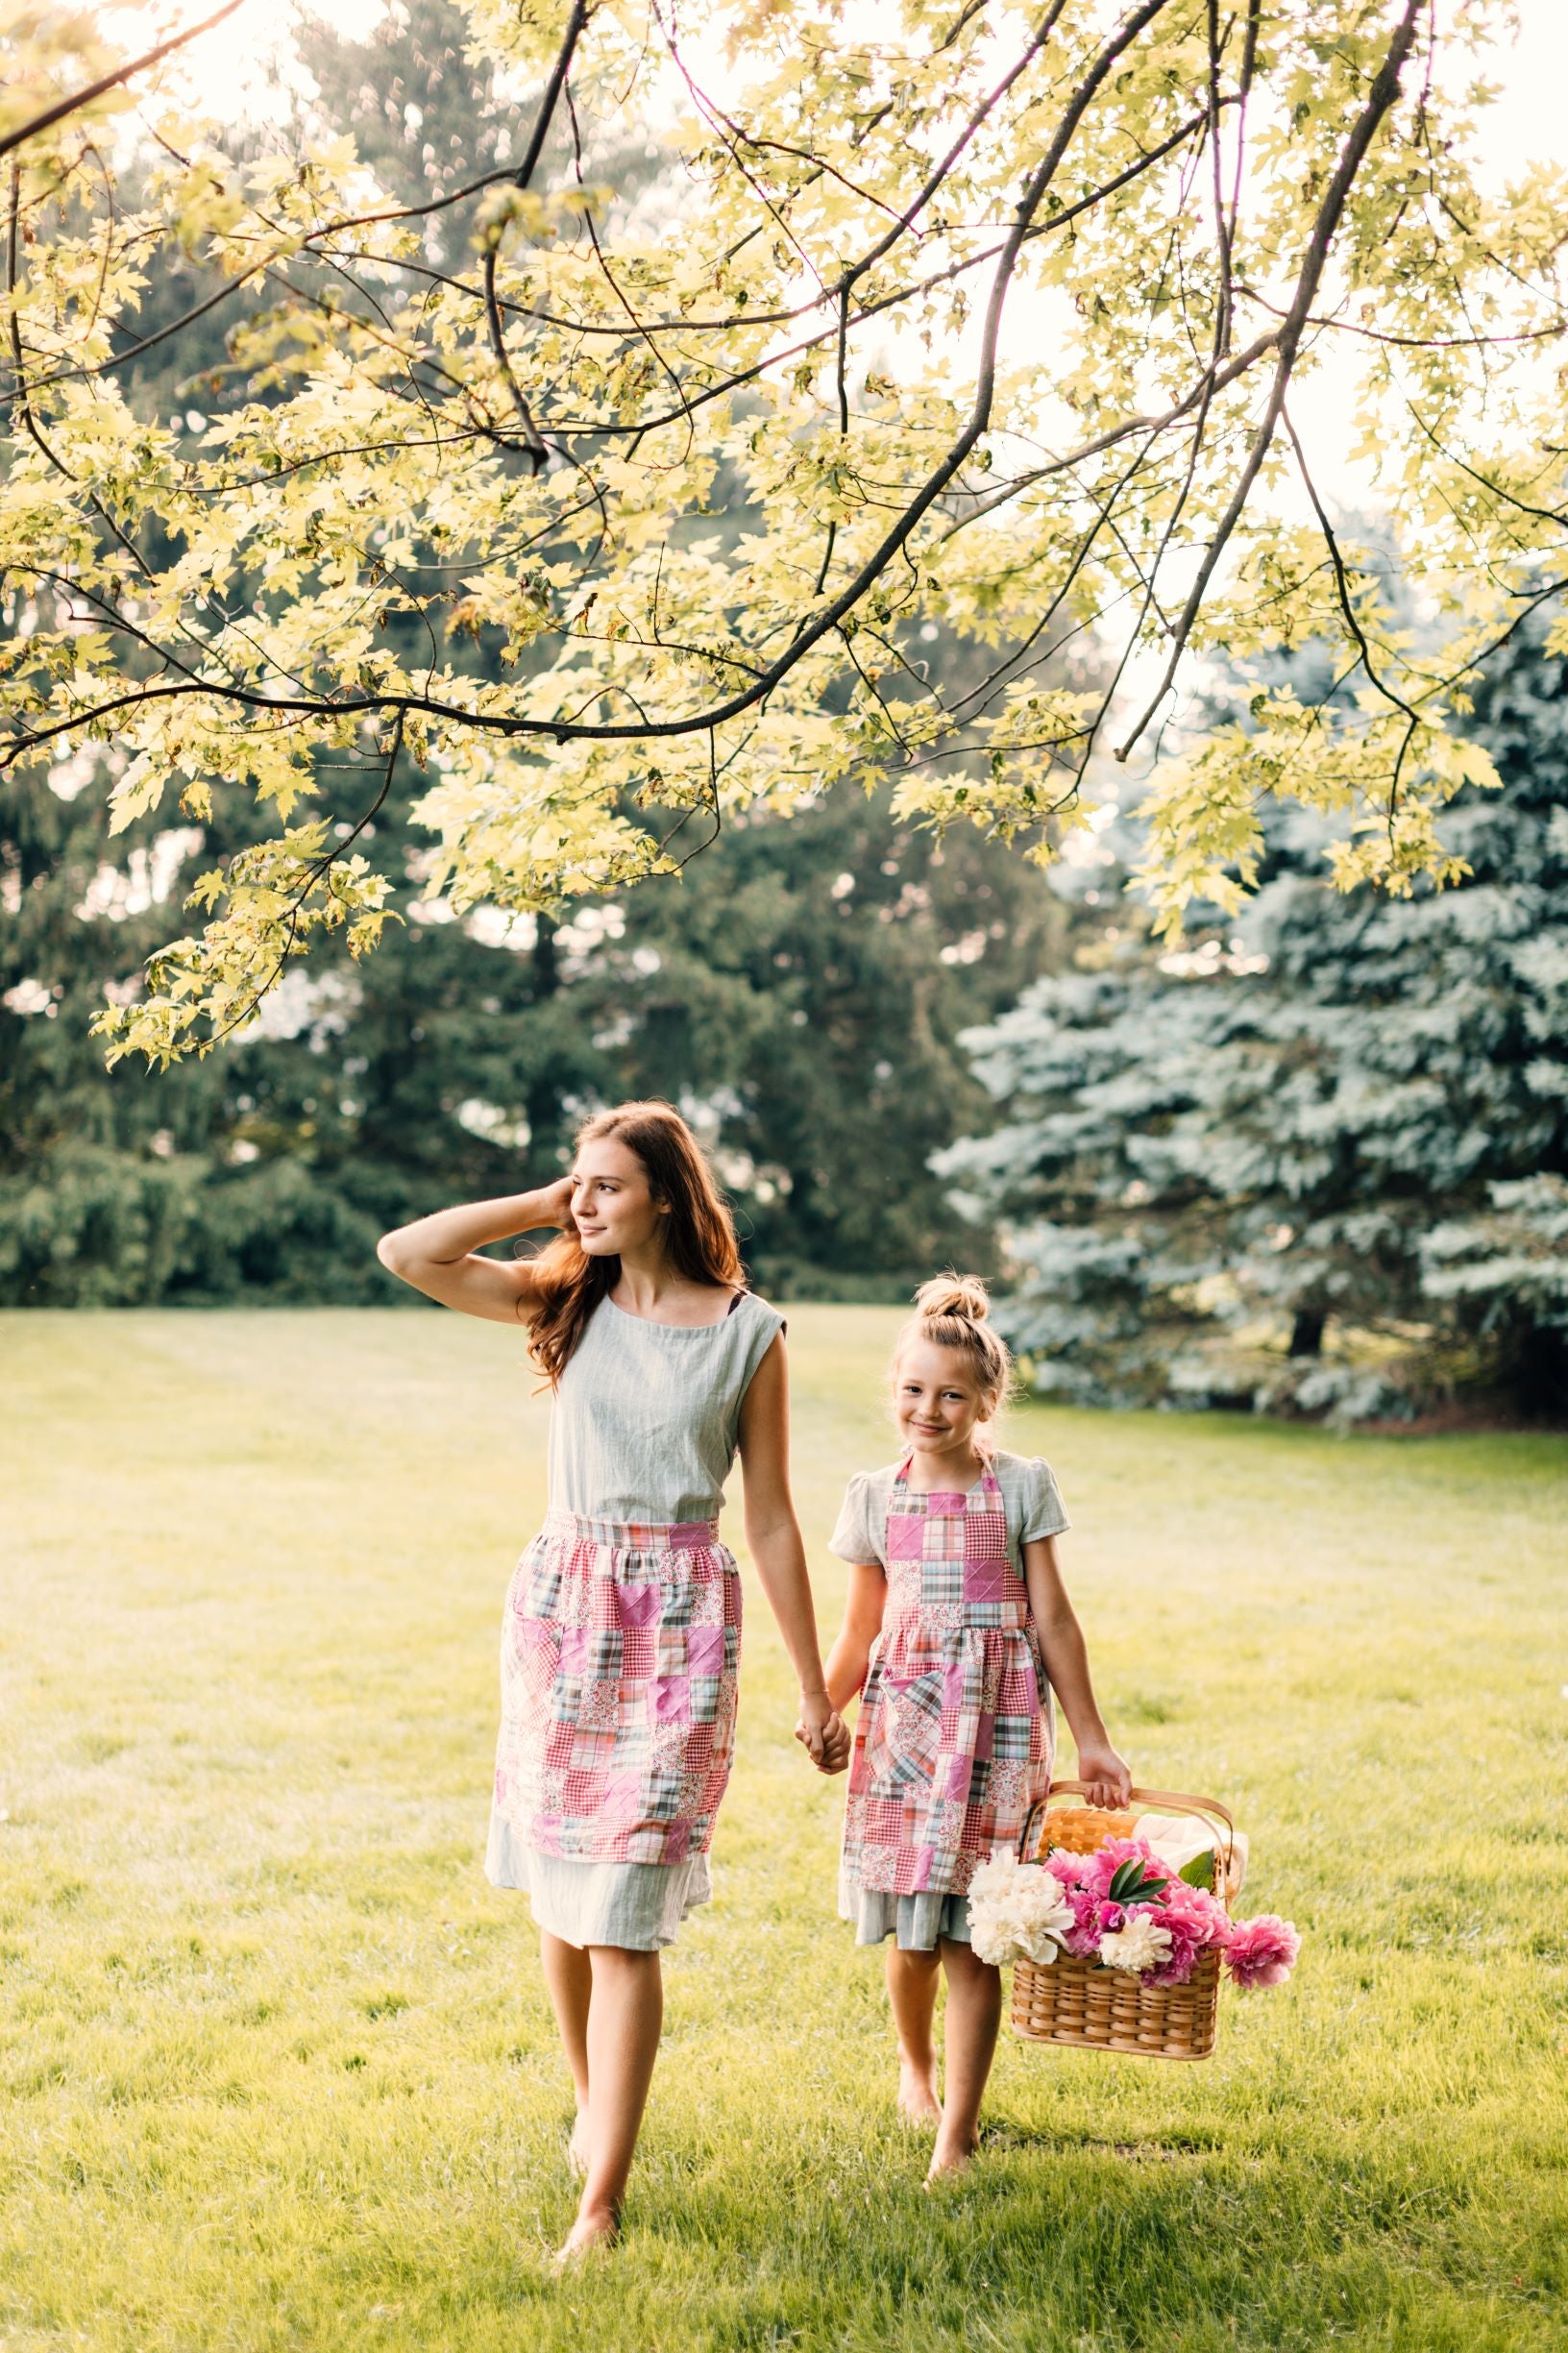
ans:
(764, 1324)
(1044, 1513)
(857, 1535)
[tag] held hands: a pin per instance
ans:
(824, 1734)
(1107, 1776)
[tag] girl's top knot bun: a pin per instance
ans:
(953, 1294)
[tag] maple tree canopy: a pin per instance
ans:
(983, 321)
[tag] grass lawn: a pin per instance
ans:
(276, 2065)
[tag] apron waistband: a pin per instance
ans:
(634, 1535)
(956, 1617)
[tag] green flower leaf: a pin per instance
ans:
(1129, 1885)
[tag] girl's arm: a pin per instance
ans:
(773, 1540)
(1067, 1663)
(437, 1255)
(850, 1655)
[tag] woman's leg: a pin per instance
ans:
(568, 1976)
(911, 1991)
(974, 2013)
(624, 2016)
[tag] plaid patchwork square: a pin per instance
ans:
(708, 1697)
(985, 1540)
(639, 1652)
(1018, 1690)
(1012, 1736)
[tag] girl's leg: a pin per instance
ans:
(625, 2017)
(568, 1976)
(911, 1991)
(974, 2013)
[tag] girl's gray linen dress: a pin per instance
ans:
(620, 1648)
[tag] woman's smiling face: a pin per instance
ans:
(612, 1203)
(938, 1401)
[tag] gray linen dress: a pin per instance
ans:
(610, 1686)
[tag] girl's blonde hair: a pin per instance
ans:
(952, 1310)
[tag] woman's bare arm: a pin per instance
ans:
(438, 1255)
(772, 1538)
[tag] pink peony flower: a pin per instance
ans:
(1084, 1936)
(1198, 1913)
(1261, 1951)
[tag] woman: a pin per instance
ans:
(621, 1643)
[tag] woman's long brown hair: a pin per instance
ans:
(699, 1233)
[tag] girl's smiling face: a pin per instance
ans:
(612, 1202)
(938, 1401)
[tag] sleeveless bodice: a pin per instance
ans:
(647, 1416)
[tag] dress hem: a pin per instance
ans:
(916, 1922)
(636, 1907)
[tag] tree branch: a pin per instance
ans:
(109, 82)
(1384, 93)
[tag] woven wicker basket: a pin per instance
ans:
(1083, 2002)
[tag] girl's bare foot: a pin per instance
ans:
(576, 2147)
(594, 2230)
(918, 2100)
(950, 2158)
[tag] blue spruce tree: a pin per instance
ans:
(1340, 1130)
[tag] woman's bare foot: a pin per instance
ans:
(950, 2158)
(576, 2147)
(918, 2102)
(593, 2231)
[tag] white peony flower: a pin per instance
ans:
(1143, 1944)
(1018, 1912)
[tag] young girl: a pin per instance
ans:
(958, 1626)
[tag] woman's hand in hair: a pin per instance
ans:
(555, 1202)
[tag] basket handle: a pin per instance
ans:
(1181, 1800)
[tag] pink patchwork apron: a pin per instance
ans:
(953, 1744)
(620, 1661)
